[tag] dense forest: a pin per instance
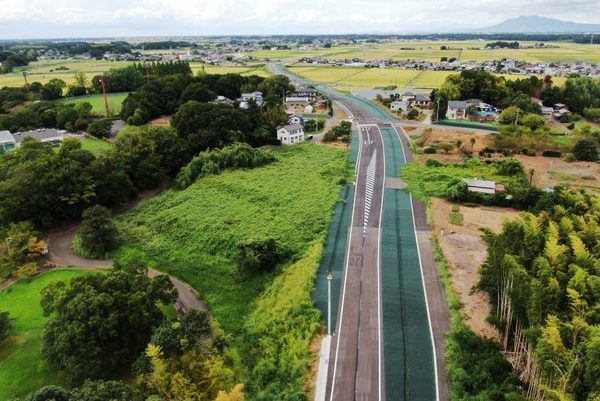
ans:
(543, 277)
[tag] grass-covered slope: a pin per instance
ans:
(193, 233)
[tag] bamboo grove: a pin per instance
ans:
(542, 273)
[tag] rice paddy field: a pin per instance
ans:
(431, 51)
(350, 78)
(44, 71)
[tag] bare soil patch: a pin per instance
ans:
(562, 173)
(431, 136)
(465, 251)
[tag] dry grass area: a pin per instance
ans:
(430, 136)
(563, 173)
(465, 251)
(161, 121)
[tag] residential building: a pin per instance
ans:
(485, 187)
(422, 101)
(297, 104)
(290, 134)
(306, 92)
(41, 134)
(257, 96)
(548, 112)
(295, 119)
(400, 105)
(7, 141)
(224, 100)
(457, 110)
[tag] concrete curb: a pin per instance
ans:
(321, 385)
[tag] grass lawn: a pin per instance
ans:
(21, 368)
(193, 234)
(115, 100)
(96, 146)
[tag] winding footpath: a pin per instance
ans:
(61, 254)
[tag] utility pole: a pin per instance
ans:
(329, 278)
(103, 81)
(26, 84)
(8, 244)
(147, 72)
(517, 120)
(437, 117)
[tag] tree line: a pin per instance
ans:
(543, 278)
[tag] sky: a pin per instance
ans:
(30, 19)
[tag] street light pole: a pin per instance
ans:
(329, 278)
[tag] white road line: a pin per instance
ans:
(437, 387)
(379, 266)
(337, 347)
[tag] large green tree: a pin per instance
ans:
(102, 321)
(98, 233)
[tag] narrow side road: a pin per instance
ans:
(61, 254)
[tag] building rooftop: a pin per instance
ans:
(296, 99)
(474, 182)
(457, 104)
(291, 127)
(39, 134)
(6, 136)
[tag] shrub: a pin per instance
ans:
(433, 163)
(551, 153)
(258, 255)
(413, 114)
(570, 158)
(571, 126)
(531, 152)
(5, 325)
(429, 151)
(238, 155)
(100, 128)
(81, 124)
(585, 150)
(329, 136)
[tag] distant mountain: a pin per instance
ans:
(535, 24)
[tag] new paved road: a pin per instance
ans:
(388, 342)
(356, 371)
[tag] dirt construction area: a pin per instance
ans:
(425, 137)
(552, 171)
(465, 251)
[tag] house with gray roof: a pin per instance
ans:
(457, 110)
(290, 134)
(41, 134)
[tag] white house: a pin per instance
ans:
(295, 119)
(400, 105)
(257, 96)
(7, 141)
(41, 134)
(457, 109)
(290, 134)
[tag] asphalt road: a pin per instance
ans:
(356, 359)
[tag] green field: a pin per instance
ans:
(431, 51)
(44, 71)
(115, 100)
(350, 78)
(193, 234)
(21, 368)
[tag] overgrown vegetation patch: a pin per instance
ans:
(195, 233)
